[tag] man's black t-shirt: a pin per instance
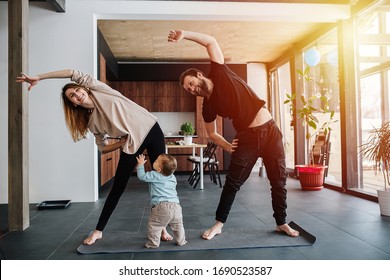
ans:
(231, 98)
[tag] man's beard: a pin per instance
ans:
(204, 91)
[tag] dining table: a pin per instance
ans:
(194, 147)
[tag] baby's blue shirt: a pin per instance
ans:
(161, 188)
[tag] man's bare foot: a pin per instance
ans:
(95, 235)
(213, 231)
(288, 230)
(165, 236)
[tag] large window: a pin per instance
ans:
(325, 83)
(373, 49)
(367, 92)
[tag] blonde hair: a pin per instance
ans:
(76, 117)
(169, 164)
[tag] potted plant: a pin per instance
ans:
(377, 150)
(311, 174)
(187, 130)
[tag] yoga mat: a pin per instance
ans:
(133, 242)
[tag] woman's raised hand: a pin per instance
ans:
(27, 79)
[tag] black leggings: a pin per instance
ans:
(154, 143)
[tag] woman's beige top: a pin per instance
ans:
(115, 115)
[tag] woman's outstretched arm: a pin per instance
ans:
(33, 80)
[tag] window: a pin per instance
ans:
(325, 83)
(372, 33)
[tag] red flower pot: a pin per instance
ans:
(311, 176)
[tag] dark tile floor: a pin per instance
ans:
(346, 227)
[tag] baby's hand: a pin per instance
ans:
(141, 159)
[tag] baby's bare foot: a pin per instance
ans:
(95, 235)
(288, 230)
(213, 231)
(165, 236)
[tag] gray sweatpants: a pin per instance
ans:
(161, 215)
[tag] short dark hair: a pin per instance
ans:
(189, 72)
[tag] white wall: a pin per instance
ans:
(59, 168)
(257, 79)
(170, 122)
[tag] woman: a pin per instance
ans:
(91, 105)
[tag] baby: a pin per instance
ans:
(166, 209)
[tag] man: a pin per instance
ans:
(225, 94)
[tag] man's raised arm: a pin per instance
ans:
(208, 41)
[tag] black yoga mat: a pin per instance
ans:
(133, 242)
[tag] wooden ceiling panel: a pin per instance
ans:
(240, 41)
(246, 32)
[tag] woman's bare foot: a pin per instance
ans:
(288, 230)
(165, 236)
(213, 231)
(95, 235)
